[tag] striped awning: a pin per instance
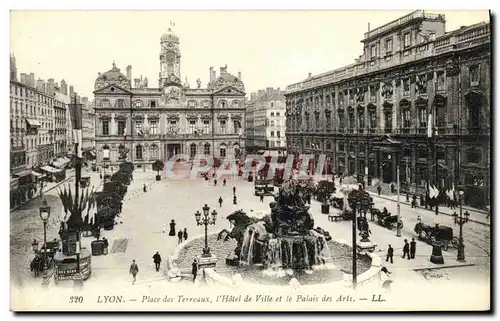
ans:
(61, 162)
(33, 122)
(50, 169)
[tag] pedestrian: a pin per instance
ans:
(390, 254)
(215, 182)
(234, 189)
(185, 234)
(419, 219)
(100, 175)
(179, 236)
(194, 269)
(379, 189)
(406, 249)
(407, 197)
(224, 182)
(234, 200)
(105, 245)
(157, 261)
(120, 206)
(455, 217)
(466, 214)
(220, 201)
(261, 195)
(134, 269)
(144, 188)
(172, 228)
(392, 187)
(413, 248)
(164, 228)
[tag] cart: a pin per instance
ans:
(441, 236)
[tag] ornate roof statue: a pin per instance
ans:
(112, 77)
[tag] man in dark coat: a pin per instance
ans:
(220, 201)
(413, 248)
(379, 189)
(105, 245)
(179, 236)
(224, 182)
(390, 253)
(234, 200)
(134, 269)
(261, 195)
(144, 188)
(234, 189)
(194, 269)
(185, 234)
(157, 261)
(406, 249)
(215, 182)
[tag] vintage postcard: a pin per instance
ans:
(250, 160)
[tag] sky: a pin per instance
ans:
(270, 48)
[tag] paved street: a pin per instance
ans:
(139, 233)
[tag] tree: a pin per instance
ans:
(158, 166)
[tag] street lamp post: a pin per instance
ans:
(44, 215)
(354, 247)
(461, 222)
(205, 220)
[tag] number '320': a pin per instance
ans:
(76, 299)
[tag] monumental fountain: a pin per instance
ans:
(282, 242)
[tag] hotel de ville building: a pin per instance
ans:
(371, 116)
(172, 118)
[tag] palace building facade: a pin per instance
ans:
(371, 117)
(173, 118)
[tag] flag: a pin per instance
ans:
(429, 126)
(75, 112)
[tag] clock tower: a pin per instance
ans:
(170, 59)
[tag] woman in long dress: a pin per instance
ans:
(172, 228)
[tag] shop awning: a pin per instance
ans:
(60, 162)
(23, 173)
(33, 122)
(36, 174)
(14, 182)
(50, 169)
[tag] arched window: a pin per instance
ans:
(153, 152)
(192, 150)
(120, 103)
(152, 104)
(223, 104)
(138, 152)
(206, 149)
(222, 150)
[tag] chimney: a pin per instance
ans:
(13, 68)
(64, 87)
(261, 93)
(50, 87)
(32, 80)
(137, 82)
(40, 85)
(253, 96)
(239, 75)
(309, 75)
(269, 91)
(129, 73)
(71, 91)
(24, 78)
(213, 75)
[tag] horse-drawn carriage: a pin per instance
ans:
(265, 186)
(387, 220)
(437, 235)
(44, 257)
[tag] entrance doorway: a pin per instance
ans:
(173, 149)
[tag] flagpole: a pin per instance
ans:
(78, 173)
(436, 169)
